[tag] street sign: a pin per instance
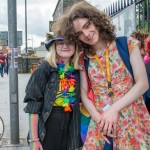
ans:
(4, 38)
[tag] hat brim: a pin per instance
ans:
(50, 42)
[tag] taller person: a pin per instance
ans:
(118, 106)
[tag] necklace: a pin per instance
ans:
(66, 86)
(107, 72)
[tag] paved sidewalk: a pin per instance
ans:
(5, 112)
(12, 147)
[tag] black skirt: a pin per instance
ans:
(57, 129)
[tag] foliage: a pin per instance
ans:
(142, 16)
(34, 55)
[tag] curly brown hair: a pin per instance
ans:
(147, 46)
(99, 19)
(58, 26)
(140, 35)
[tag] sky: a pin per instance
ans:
(39, 13)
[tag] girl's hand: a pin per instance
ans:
(108, 122)
(36, 146)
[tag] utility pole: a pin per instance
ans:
(26, 41)
(13, 74)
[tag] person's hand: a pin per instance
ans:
(97, 120)
(36, 146)
(105, 137)
(97, 117)
(108, 122)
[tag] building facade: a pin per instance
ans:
(138, 18)
(60, 8)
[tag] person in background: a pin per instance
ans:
(3, 63)
(147, 51)
(7, 63)
(118, 109)
(140, 35)
(53, 97)
(147, 64)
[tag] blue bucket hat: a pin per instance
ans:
(48, 43)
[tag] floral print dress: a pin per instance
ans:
(133, 129)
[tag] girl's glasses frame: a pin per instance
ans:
(60, 44)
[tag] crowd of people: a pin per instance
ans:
(85, 68)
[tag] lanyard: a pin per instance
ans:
(107, 72)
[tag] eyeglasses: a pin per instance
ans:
(60, 44)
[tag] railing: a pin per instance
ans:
(142, 11)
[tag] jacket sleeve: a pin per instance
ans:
(35, 88)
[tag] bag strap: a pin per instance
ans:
(85, 64)
(122, 45)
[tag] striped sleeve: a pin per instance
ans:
(35, 90)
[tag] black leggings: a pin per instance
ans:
(57, 130)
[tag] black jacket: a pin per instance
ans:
(40, 95)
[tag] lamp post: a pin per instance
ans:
(32, 42)
(26, 44)
(13, 74)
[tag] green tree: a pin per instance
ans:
(142, 16)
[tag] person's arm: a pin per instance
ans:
(34, 98)
(85, 100)
(33, 132)
(141, 81)
(34, 93)
(89, 104)
(5, 61)
(110, 117)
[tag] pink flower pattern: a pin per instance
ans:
(133, 129)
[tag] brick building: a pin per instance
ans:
(60, 7)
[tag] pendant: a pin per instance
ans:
(110, 93)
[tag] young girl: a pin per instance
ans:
(53, 96)
(118, 107)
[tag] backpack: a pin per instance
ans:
(122, 46)
(121, 43)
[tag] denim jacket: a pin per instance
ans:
(40, 95)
